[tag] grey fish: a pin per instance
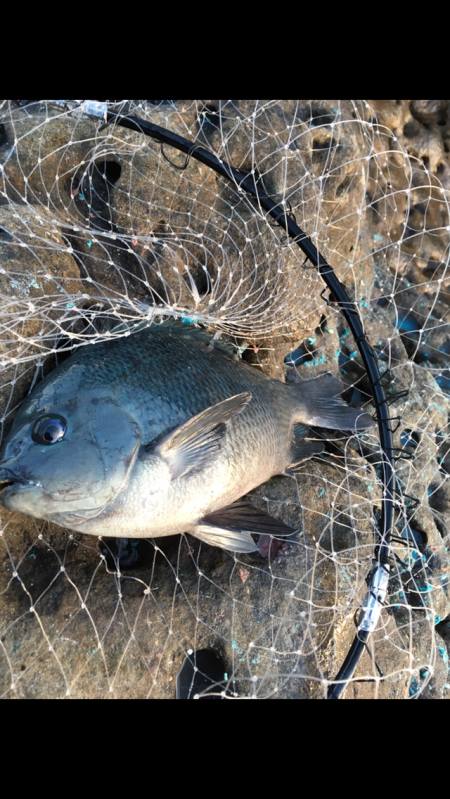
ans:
(162, 432)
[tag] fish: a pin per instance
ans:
(164, 431)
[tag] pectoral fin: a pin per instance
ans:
(188, 448)
(231, 527)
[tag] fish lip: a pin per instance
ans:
(9, 480)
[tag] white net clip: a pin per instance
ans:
(374, 599)
(91, 108)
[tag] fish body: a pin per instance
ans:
(161, 432)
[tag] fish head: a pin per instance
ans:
(69, 452)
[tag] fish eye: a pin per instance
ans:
(49, 429)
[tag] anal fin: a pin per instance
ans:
(302, 448)
(234, 540)
(231, 527)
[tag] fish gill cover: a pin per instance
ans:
(103, 229)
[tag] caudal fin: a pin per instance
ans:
(321, 405)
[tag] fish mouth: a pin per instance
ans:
(9, 480)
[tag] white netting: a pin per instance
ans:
(99, 224)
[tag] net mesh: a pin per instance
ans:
(100, 225)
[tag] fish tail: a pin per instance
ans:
(319, 404)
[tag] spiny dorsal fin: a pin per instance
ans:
(188, 448)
